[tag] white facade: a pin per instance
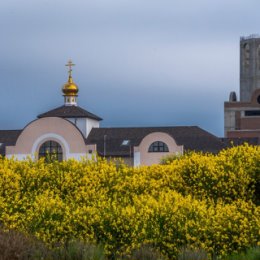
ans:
(84, 124)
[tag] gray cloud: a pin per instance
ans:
(147, 62)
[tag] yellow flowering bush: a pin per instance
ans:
(232, 174)
(201, 200)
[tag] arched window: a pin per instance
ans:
(51, 151)
(158, 147)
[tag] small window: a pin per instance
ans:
(158, 147)
(125, 142)
(252, 113)
(51, 151)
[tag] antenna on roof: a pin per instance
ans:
(105, 148)
(127, 142)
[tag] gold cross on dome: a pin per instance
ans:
(70, 64)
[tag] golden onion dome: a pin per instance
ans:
(70, 88)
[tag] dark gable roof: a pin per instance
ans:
(191, 137)
(8, 137)
(69, 112)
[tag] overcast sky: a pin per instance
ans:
(138, 62)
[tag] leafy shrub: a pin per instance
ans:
(188, 253)
(168, 159)
(250, 254)
(77, 250)
(207, 201)
(145, 252)
(16, 246)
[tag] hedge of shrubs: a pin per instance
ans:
(201, 200)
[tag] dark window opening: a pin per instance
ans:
(252, 113)
(51, 151)
(258, 99)
(158, 147)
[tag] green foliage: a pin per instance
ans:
(145, 252)
(168, 159)
(188, 253)
(77, 250)
(250, 254)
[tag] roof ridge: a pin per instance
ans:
(70, 112)
(146, 127)
(9, 130)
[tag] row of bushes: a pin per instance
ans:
(231, 174)
(205, 201)
(17, 246)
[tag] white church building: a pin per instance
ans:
(70, 131)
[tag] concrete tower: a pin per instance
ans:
(249, 66)
(242, 117)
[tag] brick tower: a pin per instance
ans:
(242, 118)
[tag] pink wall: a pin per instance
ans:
(60, 129)
(149, 158)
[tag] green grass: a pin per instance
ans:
(250, 254)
